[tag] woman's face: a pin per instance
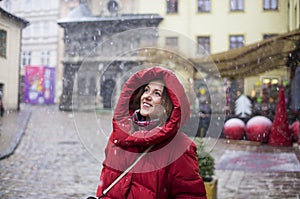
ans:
(151, 97)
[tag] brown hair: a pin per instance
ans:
(136, 100)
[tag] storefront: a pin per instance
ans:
(257, 70)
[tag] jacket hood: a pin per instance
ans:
(122, 119)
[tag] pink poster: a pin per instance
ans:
(39, 85)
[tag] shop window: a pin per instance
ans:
(269, 96)
(270, 80)
(270, 87)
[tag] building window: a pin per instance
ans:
(267, 36)
(26, 58)
(270, 4)
(113, 6)
(203, 45)
(203, 5)
(236, 41)
(3, 43)
(45, 58)
(270, 87)
(172, 41)
(172, 6)
(236, 5)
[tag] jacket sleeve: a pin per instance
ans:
(184, 179)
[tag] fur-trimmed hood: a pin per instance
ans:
(122, 122)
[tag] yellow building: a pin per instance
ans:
(10, 46)
(217, 19)
(213, 26)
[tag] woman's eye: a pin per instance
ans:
(157, 94)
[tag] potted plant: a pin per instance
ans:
(206, 164)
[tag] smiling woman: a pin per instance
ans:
(152, 103)
(151, 97)
(147, 119)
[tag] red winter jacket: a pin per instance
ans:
(170, 169)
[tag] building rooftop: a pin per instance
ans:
(83, 14)
(13, 17)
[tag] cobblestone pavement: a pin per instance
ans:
(257, 185)
(50, 161)
(12, 127)
(54, 161)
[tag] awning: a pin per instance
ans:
(252, 59)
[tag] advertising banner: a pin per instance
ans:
(39, 85)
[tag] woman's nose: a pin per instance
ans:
(148, 96)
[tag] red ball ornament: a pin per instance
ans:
(234, 129)
(295, 130)
(258, 129)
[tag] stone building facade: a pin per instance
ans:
(93, 60)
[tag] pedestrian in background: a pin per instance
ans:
(1, 105)
(150, 111)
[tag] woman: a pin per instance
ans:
(151, 109)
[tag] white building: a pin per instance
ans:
(42, 40)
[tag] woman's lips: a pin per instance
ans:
(147, 105)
